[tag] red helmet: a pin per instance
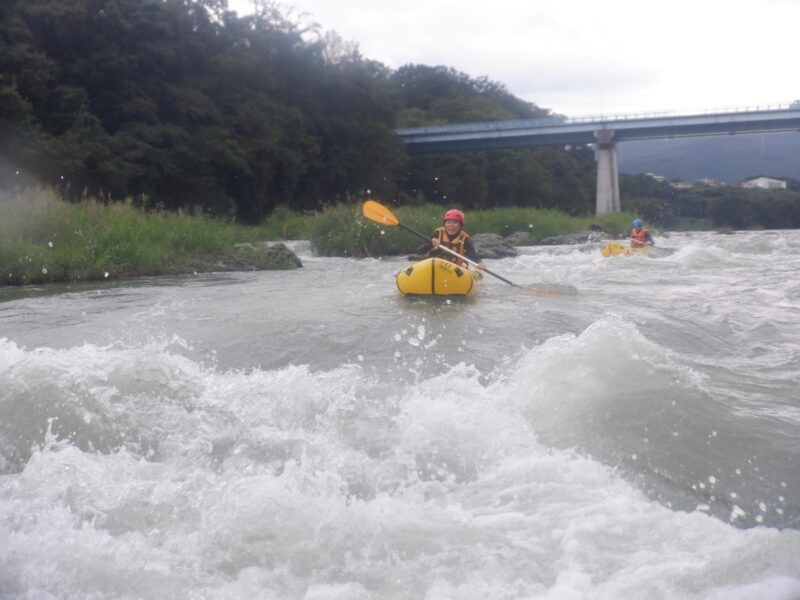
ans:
(454, 215)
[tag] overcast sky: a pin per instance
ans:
(586, 57)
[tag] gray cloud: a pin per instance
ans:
(582, 56)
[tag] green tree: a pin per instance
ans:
(183, 103)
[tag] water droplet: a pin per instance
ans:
(736, 513)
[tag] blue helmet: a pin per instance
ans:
(637, 222)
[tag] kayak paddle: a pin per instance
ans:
(377, 212)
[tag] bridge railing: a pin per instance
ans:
(680, 113)
(561, 120)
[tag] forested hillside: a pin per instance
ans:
(728, 159)
(183, 103)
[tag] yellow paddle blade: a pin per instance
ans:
(379, 213)
(538, 292)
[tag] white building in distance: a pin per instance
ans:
(765, 183)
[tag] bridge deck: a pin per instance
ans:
(563, 131)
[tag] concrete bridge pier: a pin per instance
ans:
(607, 172)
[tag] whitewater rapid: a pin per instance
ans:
(310, 434)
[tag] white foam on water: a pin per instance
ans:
(150, 475)
(629, 402)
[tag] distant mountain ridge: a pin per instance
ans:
(727, 159)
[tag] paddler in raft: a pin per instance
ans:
(452, 236)
(640, 237)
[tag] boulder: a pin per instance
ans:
(251, 257)
(491, 245)
(279, 256)
(518, 237)
(570, 238)
(487, 245)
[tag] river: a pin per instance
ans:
(310, 434)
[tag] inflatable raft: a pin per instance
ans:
(615, 249)
(438, 277)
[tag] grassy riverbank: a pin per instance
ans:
(44, 240)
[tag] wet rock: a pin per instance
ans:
(518, 237)
(570, 238)
(245, 256)
(281, 257)
(491, 245)
(487, 245)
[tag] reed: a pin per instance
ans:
(342, 231)
(283, 223)
(43, 239)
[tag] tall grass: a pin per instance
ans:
(343, 231)
(283, 223)
(43, 239)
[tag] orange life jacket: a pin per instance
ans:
(456, 244)
(639, 239)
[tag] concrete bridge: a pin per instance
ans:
(604, 131)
